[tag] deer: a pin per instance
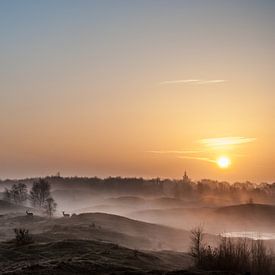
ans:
(65, 215)
(30, 214)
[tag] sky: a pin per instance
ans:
(137, 88)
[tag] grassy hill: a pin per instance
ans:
(101, 227)
(92, 243)
(85, 257)
(6, 206)
(69, 257)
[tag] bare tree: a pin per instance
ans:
(197, 245)
(39, 193)
(17, 194)
(236, 255)
(50, 206)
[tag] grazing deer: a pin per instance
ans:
(29, 213)
(65, 215)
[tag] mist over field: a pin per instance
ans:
(149, 220)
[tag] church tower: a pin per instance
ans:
(185, 178)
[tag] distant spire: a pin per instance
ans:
(185, 177)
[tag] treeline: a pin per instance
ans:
(181, 188)
(38, 197)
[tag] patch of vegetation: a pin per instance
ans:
(22, 236)
(236, 255)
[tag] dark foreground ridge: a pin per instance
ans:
(88, 257)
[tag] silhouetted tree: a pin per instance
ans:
(50, 206)
(17, 194)
(39, 193)
(176, 191)
(197, 245)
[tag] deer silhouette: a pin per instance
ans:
(65, 215)
(29, 213)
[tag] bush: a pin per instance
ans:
(236, 255)
(22, 236)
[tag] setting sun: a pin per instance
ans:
(223, 162)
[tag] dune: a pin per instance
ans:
(243, 217)
(93, 243)
(86, 257)
(101, 226)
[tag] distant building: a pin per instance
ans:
(183, 188)
(185, 178)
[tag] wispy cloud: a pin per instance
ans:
(183, 81)
(225, 141)
(194, 81)
(211, 81)
(175, 151)
(186, 154)
(209, 148)
(198, 158)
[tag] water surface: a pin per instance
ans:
(251, 235)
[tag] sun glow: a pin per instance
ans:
(223, 162)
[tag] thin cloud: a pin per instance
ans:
(207, 147)
(185, 154)
(175, 151)
(212, 81)
(179, 81)
(198, 158)
(226, 141)
(194, 81)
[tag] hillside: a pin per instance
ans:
(6, 206)
(70, 257)
(243, 217)
(262, 211)
(85, 257)
(257, 217)
(94, 243)
(99, 226)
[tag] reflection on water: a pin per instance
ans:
(251, 235)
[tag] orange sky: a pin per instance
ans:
(135, 89)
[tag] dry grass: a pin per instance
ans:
(236, 255)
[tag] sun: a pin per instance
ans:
(223, 162)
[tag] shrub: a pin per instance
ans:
(22, 236)
(235, 255)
